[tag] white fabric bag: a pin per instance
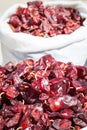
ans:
(19, 46)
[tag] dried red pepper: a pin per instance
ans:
(38, 20)
(43, 95)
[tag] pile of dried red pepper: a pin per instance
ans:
(49, 21)
(43, 95)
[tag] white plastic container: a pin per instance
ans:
(19, 46)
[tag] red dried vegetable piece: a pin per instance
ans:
(58, 103)
(44, 62)
(25, 121)
(80, 86)
(37, 112)
(67, 113)
(82, 72)
(13, 121)
(61, 124)
(9, 67)
(71, 71)
(11, 92)
(43, 96)
(59, 86)
(45, 120)
(79, 122)
(15, 21)
(2, 122)
(50, 14)
(41, 85)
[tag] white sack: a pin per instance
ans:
(19, 46)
